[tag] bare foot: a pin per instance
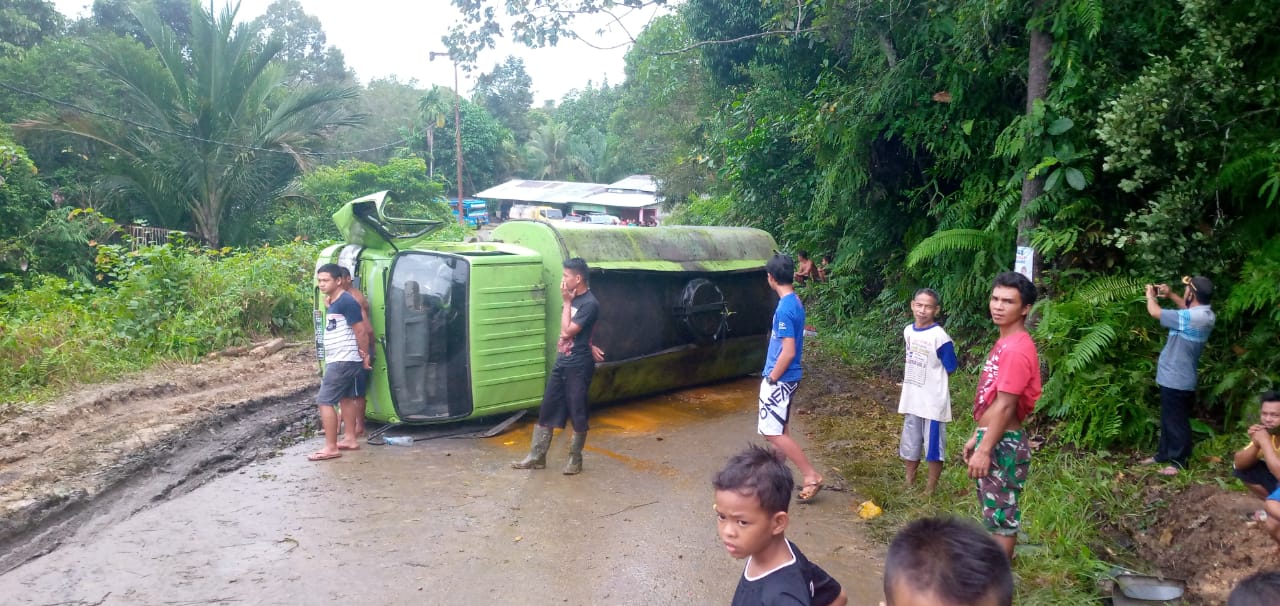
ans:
(344, 445)
(323, 455)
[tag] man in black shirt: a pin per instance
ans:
(565, 397)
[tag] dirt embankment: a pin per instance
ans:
(1203, 534)
(102, 453)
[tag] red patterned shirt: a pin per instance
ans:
(1012, 367)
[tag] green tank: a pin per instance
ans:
(468, 329)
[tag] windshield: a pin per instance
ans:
(554, 213)
(426, 336)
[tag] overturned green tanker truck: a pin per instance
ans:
(468, 329)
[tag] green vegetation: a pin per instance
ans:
(175, 301)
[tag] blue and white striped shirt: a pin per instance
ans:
(339, 339)
(1188, 331)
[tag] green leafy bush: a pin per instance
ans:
(173, 301)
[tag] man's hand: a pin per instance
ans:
(979, 464)
(597, 354)
(1261, 436)
(1151, 290)
(969, 446)
(364, 357)
(1162, 290)
(566, 293)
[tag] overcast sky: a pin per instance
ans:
(384, 37)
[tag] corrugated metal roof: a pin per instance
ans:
(644, 183)
(565, 192)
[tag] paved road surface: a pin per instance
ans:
(446, 521)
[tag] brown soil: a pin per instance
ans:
(125, 445)
(1202, 534)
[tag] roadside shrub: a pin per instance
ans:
(173, 301)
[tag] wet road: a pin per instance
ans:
(446, 521)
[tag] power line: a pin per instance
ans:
(162, 131)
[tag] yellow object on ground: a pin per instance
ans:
(869, 510)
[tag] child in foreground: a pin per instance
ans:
(946, 562)
(753, 493)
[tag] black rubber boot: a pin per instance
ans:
(538, 446)
(574, 466)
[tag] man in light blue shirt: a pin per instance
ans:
(1189, 327)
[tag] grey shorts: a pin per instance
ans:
(340, 381)
(923, 437)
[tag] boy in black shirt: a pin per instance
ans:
(753, 492)
(565, 396)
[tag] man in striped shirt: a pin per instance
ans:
(346, 353)
(1189, 328)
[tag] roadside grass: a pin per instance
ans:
(158, 304)
(1076, 505)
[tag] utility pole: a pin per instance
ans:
(457, 129)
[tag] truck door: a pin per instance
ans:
(426, 336)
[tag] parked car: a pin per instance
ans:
(601, 219)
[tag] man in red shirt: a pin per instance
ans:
(998, 455)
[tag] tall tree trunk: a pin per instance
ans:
(431, 153)
(1038, 67)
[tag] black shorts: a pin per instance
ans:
(565, 397)
(1258, 474)
(362, 382)
(339, 382)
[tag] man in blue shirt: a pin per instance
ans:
(782, 372)
(1189, 327)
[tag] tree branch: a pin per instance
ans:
(778, 32)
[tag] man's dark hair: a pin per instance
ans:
(804, 254)
(782, 268)
(954, 561)
(333, 269)
(578, 266)
(761, 472)
(1259, 589)
(1202, 289)
(937, 300)
(1270, 396)
(1013, 279)
(346, 273)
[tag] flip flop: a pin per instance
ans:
(809, 491)
(323, 456)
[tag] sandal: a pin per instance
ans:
(809, 491)
(323, 456)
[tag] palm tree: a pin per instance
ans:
(549, 153)
(210, 134)
(434, 106)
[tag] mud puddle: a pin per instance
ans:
(446, 521)
(101, 454)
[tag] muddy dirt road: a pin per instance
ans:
(446, 521)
